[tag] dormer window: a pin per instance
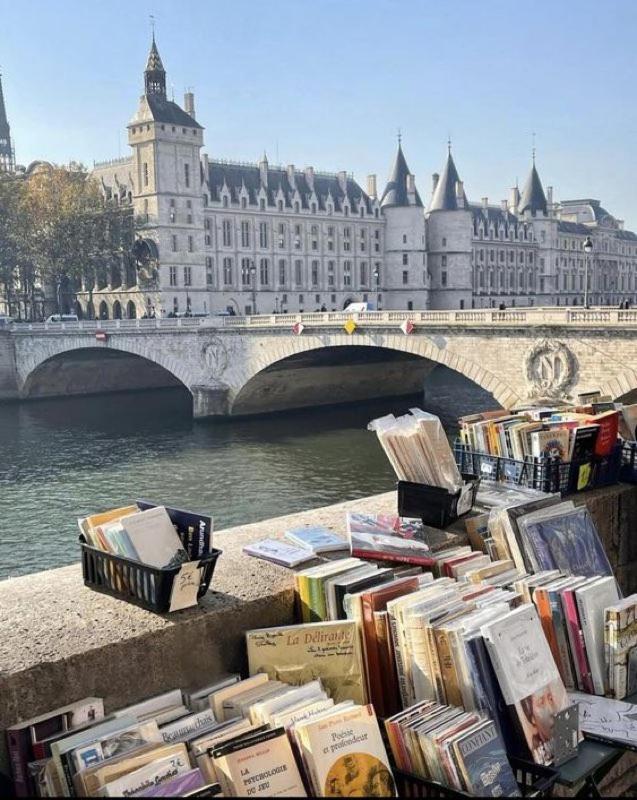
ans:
(244, 202)
(225, 201)
(296, 207)
(330, 208)
(262, 204)
(313, 208)
(280, 205)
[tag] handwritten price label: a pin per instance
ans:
(185, 587)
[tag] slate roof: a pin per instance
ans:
(156, 108)
(533, 197)
(154, 63)
(572, 227)
(395, 193)
(444, 197)
(236, 176)
(492, 215)
(5, 131)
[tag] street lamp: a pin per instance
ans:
(377, 282)
(253, 275)
(588, 249)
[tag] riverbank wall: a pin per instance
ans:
(60, 641)
(8, 377)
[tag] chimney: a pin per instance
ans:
(549, 195)
(263, 171)
(189, 104)
(206, 164)
(460, 194)
(514, 199)
(485, 202)
(309, 177)
(434, 181)
(371, 186)
(342, 180)
(291, 175)
(504, 205)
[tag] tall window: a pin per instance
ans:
(282, 272)
(187, 175)
(297, 237)
(281, 235)
(443, 278)
(173, 242)
(347, 273)
(347, 245)
(264, 272)
(444, 261)
(315, 273)
(245, 234)
(227, 232)
(405, 277)
(315, 233)
(187, 276)
(227, 271)
(173, 215)
(405, 259)
(363, 271)
(330, 274)
(145, 170)
(245, 272)
(191, 245)
(298, 272)
(263, 234)
(172, 275)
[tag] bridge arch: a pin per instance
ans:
(73, 365)
(283, 348)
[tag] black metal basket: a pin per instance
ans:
(434, 505)
(534, 781)
(545, 474)
(145, 586)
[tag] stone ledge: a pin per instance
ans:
(60, 641)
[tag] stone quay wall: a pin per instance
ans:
(60, 641)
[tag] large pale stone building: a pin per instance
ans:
(215, 235)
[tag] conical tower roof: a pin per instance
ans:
(533, 198)
(445, 197)
(6, 148)
(154, 62)
(396, 193)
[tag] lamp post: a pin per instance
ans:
(253, 276)
(377, 282)
(588, 249)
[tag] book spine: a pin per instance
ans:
(377, 555)
(564, 663)
(313, 604)
(68, 774)
(435, 665)
(595, 669)
(609, 630)
(578, 646)
(447, 669)
(399, 660)
(18, 746)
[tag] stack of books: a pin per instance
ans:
(460, 749)
(418, 449)
(620, 646)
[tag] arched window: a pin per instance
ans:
(103, 310)
(117, 310)
(264, 272)
(296, 207)
(131, 310)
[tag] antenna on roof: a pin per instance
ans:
(533, 149)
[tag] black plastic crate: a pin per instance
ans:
(145, 586)
(628, 469)
(434, 505)
(545, 474)
(534, 781)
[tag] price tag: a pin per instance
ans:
(185, 587)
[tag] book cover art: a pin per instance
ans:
(152, 775)
(279, 552)
(347, 755)
(568, 542)
(180, 786)
(606, 720)
(551, 444)
(316, 538)
(608, 422)
(536, 715)
(484, 764)
(298, 654)
(154, 538)
(371, 538)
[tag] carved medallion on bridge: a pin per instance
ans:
(550, 369)
(215, 357)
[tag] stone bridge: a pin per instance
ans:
(239, 365)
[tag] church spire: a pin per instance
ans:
(7, 160)
(155, 74)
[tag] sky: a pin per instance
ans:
(328, 83)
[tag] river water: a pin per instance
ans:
(60, 459)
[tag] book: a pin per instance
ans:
(154, 538)
(581, 667)
(23, 738)
(592, 600)
(155, 774)
(606, 440)
(198, 700)
(367, 540)
(316, 538)
(185, 726)
(483, 763)
(581, 456)
(259, 766)
(628, 422)
(621, 642)
(310, 586)
(528, 676)
(566, 540)
(113, 744)
(279, 552)
(604, 720)
(194, 529)
(550, 444)
(181, 786)
(345, 755)
(352, 582)
(218, 698)
(297, 654)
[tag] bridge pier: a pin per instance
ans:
(209, 401)
(8, 374)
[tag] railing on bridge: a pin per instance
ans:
(526, 317)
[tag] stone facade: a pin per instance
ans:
(249, 238)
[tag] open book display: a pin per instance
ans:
(159, 557)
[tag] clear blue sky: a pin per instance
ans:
(328, 82)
